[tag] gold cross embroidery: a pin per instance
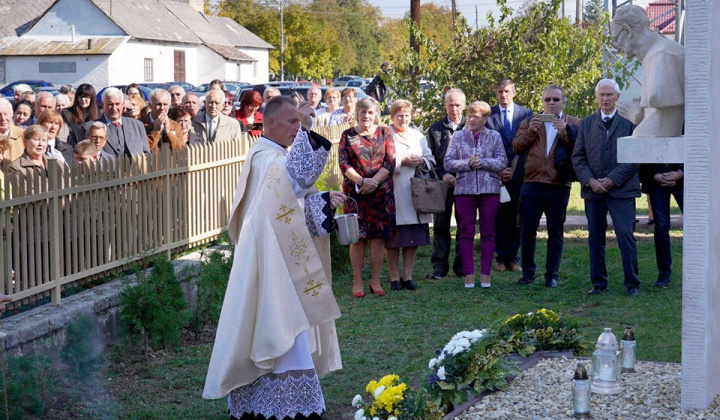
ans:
(313, 288)
(273, 181)
(285, 213)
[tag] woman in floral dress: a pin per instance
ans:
(367, 160)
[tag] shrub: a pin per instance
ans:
(30, 387)
(79, 352)
(153, 310)
(211, 283)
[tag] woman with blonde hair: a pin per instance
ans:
(411, 154)
(476, 154)
(347, 112)
(366, 154)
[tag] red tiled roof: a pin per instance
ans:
(666, 24)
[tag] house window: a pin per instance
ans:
(61, 67)
(148, 69)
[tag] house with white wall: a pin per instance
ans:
(112, 42)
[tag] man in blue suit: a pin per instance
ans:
(125, 136)
(505, 118)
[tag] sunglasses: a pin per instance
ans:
(552, 100)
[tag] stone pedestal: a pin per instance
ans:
(701, 245)
(651, 149)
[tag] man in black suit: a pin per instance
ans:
(125, 136)
(439, 135)
(505, 118)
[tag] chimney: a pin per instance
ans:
(198, 5)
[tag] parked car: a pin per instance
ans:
(144, 89)
(343, 80)
(288, 91)
(232, 87)
(8, 92)
(189, 87)
(307, 83)
(152, 86)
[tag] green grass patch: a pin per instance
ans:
(398, 333)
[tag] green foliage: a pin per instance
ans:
(594, 10)
(323, 37)
(536, 47)
(211, 284)
(154, 309)
(79, 352)
(31, 384)
(540, 330)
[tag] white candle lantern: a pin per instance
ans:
(606, 364)
(581, 393)
(628, 350)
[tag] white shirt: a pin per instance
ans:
(510, 110)
(454, 125)
(604, 115)
(551, 134)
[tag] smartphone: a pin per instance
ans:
(546, 117)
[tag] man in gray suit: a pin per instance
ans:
(125, 136)
(607, 186)
(211, 125)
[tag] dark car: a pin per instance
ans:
(152, 86)
(188, 87)
(288, 91)
(7, 91)
(144, 89)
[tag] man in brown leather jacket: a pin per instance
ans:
(544, 190)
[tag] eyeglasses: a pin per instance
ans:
(184, 121)
(228, 103)
(548, 100)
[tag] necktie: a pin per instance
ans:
(210, 130)
(607, 121)
(116, 124)
(506, 124)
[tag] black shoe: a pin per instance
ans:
(408, 284)
(632, 291)
(436, 275)
(650, 222)
(526, 280)
(552, 283)
(460, 273)
(395, 285)
(662, 283)
(596, 290)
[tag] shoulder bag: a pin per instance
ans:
(428, 195)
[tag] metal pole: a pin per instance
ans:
(282, 42)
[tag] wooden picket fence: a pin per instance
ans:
(85, 222)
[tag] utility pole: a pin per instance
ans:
(415, 16)
(563, 8)
(579, 12)
(454, 13)
(282, 41)
(477, 24)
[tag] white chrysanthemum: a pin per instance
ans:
(431, 364)
(530, 314)
(379, 390)
(441, 373)
(376, 418)
(360, 415)
(357, 401)
(392, 418)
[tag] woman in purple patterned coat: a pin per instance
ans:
(476, 154)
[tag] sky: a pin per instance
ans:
(398, 8)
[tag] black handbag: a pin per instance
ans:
(428, 195)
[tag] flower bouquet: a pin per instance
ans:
(541, 330)
(387, 396)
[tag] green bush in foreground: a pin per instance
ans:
(79, 352)
(31, 384)
(211, 283)
(153, 310)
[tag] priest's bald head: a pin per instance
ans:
(281, 120)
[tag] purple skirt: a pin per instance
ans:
(409, 236)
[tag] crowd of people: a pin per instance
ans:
(483, 151)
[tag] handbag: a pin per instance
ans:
(504, 194)
(428, 195)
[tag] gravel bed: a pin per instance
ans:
(543, 392)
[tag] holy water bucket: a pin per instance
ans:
(348, 231)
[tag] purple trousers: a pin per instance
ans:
(472, 208)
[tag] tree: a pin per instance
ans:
(593, 10)
(534, 48)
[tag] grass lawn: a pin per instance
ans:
(399, 332)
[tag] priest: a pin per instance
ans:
(276, 335)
